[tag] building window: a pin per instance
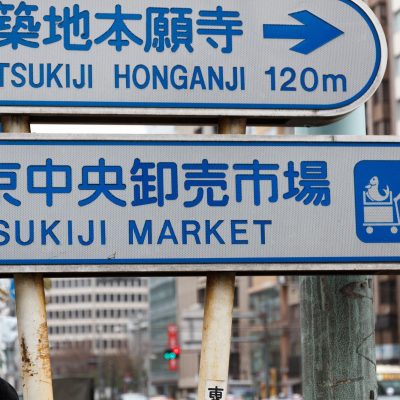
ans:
(380, 12)
(201, 295)
(234, 366)
(382, 127)
(387, 292)
(382, 94)
(235, 328)
(385, 91)
(236, 297)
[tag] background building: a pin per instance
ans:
(88, 320)
(380, 118)
(140, 350)
(9, 354)
(394, 61)
(276, 352)
(163, 311)
(387, 300)
(179, 302)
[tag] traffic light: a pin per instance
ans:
(172, 354)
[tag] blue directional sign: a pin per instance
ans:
(252, 58)
(138, 202)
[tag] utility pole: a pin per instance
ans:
(337, 318)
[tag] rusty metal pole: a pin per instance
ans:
(218, 311)
(31, 314)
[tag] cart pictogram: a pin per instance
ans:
(381, 213)
(377, 197)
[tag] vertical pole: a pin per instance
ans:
(337, 319)
(31, 314)
(218, 310)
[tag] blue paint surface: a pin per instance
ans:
(314, 31)
(377, 196)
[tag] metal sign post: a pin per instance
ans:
(31, 314)
(216, 338)
(218, 312)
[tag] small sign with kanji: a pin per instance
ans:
(215, 390)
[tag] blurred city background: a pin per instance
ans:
(115, 335)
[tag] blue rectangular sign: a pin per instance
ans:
(145, 201)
